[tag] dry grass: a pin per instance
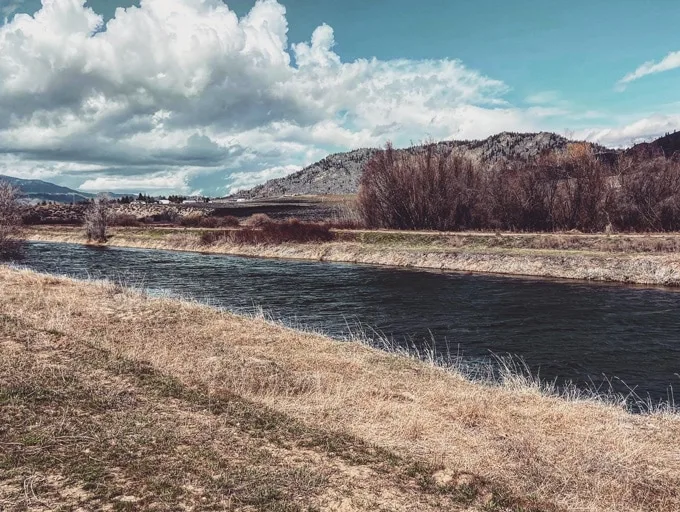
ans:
(441, 441)
(640, 259)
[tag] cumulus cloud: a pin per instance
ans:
(167, 182)
(669, 62)
(187, 84)
(640, 130)
(183, 96)
(245, 180)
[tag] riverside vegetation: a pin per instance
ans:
(576, 189)
(201, 409)
(630, 258)
(10, 219)
(112, 398)
(454, 213)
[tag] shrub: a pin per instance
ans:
(191, 221)
(97, 219)
(421, 190)
(569, 190)
(257, 220)
(10, 219)
(209, 222)
(212, 237)
(123, 220)
(169, 215)
(229, 221)
(292, 230)
(648, 195)
(272, 233)
(559, 191)
(347, 216)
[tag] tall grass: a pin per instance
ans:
(272, 233)
(204, 221)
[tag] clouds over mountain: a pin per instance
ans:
(183, 95)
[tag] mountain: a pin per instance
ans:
(38, 190)
(669, 144)
(340, 173)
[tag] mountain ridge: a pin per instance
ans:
(40, 190)
(339, 173)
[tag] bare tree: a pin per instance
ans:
(97, 219)
(423, 190)
(10, 219)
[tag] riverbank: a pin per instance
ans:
(111, 397)
(636, 259)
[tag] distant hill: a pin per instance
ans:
(340, 173)
(669, 144)
(38, 190)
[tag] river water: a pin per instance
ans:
(591, 334)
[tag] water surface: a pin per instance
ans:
(587, 333)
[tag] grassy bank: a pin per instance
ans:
(641, 259)
(110, 397)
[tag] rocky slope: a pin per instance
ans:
(340, 173)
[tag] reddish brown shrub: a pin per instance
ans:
(257, 220)
(422, 190)
(209, 222)
(212, 237)
(191, 221)
(229, 221)
(273, 233)
(123, 220)
(553, 192)
(647, 196)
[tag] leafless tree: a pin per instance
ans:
(97, 219)
(423, 190)
(10, 219)
(573, 189)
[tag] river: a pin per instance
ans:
(591, 334)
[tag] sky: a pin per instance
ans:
(211, 96)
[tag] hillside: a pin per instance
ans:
(669, 144)
(111, 399)
(38, 190)
(340, 173)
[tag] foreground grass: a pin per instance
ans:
(111, 399)
(649, 259)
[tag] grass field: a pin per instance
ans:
(111, 399)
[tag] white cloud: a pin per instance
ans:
(157, 182)
(670, 61)
(640, 130)
(245, 180)
(183, 94)
(13, 165)
(177, 83)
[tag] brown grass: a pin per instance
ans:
(203, 221)
(123, 220)
(271, 233)
(258, 220)
(180, 382)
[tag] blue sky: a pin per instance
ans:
(224, 97)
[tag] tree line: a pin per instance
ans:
(575, 189)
